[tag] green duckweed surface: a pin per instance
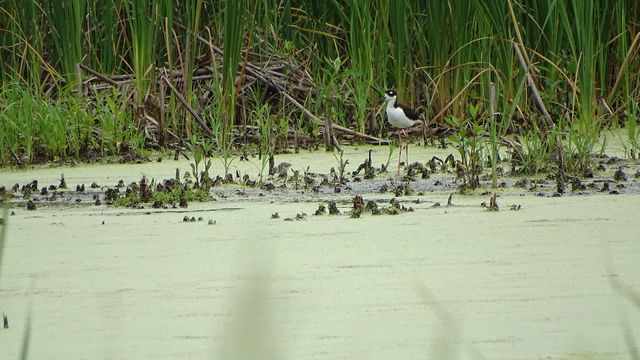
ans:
(441, 282)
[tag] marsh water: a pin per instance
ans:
(443, 281)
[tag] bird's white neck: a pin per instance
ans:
(391, 103)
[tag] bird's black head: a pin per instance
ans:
(389, 95)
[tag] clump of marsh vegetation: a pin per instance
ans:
(83, 81)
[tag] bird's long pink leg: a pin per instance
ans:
(406, 147)
(400, 154)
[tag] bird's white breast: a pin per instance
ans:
(396, 117)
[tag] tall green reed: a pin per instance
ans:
(193, 14)
(234, 19)
(581, 24)
(433, 56)
(361, 50)
(66, 18)
(22, 43)
(104, 42)
(400, 49)
(143, 19)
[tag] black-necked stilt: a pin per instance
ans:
(400, 116)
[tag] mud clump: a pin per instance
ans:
(577, 185)
(366, 166)
(358, 207)
(417, 168)
(619, 175)
(145, 190)
(111, 195)
(493, 203)
(402, 190)
(31, 187)
(63, 183)
(372, 207)
(333, 208)
(31, 205)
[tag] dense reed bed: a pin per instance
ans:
(551, 74)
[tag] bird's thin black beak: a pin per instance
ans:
(376, 89)
(380, 100)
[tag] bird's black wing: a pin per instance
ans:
(411, 114)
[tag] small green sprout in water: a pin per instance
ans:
(342, 164)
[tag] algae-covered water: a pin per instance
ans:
(458, 281)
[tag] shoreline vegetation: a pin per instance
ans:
(83, 82)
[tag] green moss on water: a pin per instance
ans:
(177, 196)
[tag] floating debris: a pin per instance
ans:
(402, 190)
(522, 183)
(63, 183)
(358, 206)
(619, 175)
(396, 208)
(577, 185)
(372, 207)
(111, 195)
(333, 208)
(493, 203)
